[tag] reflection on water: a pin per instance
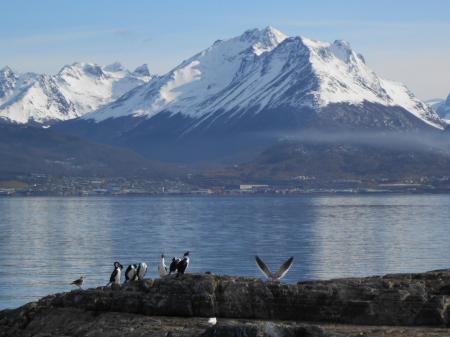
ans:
(48, 242)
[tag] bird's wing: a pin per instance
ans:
(113, 275)
(182, 264)
(127, 272)
(284, 268)
(143, 269)
(263, 267)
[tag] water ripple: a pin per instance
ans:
(48, 242)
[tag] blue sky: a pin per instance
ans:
(407, 41)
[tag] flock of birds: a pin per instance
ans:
(178, 266)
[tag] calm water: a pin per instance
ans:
(45, 243)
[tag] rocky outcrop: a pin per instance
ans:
(80, 323)
(394, 300)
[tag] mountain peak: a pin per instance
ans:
(274, 33)
(80, 65)
(142, 70)
(342, 44)
(342, 50)
(7, 73)
(114, 67)
(267, 35)
(7, 82)
(263, 40)
(77, 69)
(6, 69)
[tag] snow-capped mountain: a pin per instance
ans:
(75, 90)
(264, 70)
(241, 95)
(442, 107)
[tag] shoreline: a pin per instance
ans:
(411, 304)
(240, 195)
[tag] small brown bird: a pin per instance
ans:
(79, 282)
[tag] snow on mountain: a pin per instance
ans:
(76, 89)
(261, 70)
(442, 107)
(7, 83)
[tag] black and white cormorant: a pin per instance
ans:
(141, 270)
(174, 264)
(131, 273)
(115, 275)
(183, 264)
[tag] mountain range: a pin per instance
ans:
(264, 70)
(241, 94)
(75, 90)
(225, 104)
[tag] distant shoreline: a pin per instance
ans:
(240, 195)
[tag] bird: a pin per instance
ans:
(115, 275)
(131, 273)
(279, 274)
(162, 268)
(141, 270)
(174, 264)
(183, 264)
(79, 282)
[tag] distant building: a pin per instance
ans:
(252, 187)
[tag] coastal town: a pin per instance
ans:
(43, 185)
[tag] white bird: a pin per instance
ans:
(279, 274)
(212, 321)
(162, 268)
(79, 282)
(141, 270)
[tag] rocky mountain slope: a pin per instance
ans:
(319, 162)
(28, 150)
